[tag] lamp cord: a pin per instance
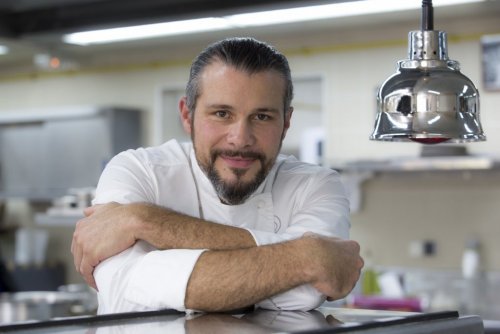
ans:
(427, 15)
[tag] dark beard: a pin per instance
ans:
(236, 192)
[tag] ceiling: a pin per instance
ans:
(27, 17)
(31, 27)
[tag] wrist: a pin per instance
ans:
(304, 254)
(135, 218)
(149, 223)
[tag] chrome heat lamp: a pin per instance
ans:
(428, 99)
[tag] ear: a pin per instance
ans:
(288, 116)
(186, 117)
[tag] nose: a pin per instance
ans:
(240, 134)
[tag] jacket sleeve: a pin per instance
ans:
(301, 298)
(142, 278)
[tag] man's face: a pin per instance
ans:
(237, 128)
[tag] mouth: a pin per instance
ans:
(238, 162)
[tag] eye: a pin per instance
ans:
(221, 113)
(263, 117)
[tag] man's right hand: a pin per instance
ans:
(100, 235)
(335, 264)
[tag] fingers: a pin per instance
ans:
(83, 265)
(94, 208)
(77, 257)
(87, 271)
(89, 211)
(90, 245)
(359, 260)
(355, 245)
(341, 267)
(76, 249)
(361, 264)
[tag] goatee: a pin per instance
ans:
(237, 191)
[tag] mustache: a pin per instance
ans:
(241, 154)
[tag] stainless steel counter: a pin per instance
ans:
(322, 320)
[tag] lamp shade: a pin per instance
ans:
(428, 99)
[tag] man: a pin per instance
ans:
(223, 222)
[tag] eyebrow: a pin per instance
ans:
(220, 106)
(273, 110)
(229, 107)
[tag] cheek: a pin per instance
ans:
(271, 139)
(207, 134)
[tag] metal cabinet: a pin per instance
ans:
(44, 153)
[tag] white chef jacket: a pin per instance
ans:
(294, 198)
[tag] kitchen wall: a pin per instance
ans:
(447, 208)
(397, 208)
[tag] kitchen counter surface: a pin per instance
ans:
(322, 320)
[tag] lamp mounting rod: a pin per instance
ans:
(427, 15)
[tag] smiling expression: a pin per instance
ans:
(237, 127)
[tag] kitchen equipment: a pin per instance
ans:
(47, 151)
(31, 246)
(70, 300)
(428, 99)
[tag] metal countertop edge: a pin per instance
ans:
(81, 320)
(116, 317)
(443, 315)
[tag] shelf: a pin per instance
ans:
(457, 163)
(355, 173)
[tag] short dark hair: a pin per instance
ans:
(246, 54)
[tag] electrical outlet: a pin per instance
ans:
(429, 248)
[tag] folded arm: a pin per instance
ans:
(231, 279)
(111, 228)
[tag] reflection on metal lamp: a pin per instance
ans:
(428, 100)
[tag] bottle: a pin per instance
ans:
(369, 282)
(471, 260)
(474, 289)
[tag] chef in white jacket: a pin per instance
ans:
(222, 222)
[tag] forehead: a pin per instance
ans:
(225, 78)
(220, 67)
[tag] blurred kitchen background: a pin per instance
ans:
(427, 218)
